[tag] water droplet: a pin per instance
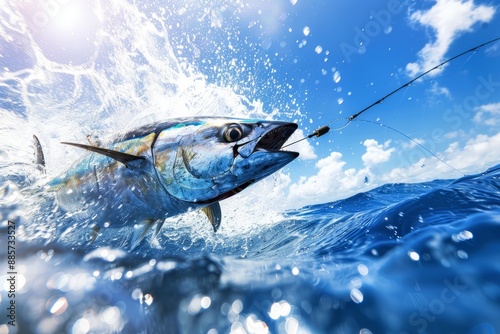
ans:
(336, 77)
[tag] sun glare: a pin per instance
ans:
(69, 17)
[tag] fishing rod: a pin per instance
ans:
(322, 130)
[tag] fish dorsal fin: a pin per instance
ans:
(124, 158)
(39, 158)
(214, 214)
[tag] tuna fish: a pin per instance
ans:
(166, 169)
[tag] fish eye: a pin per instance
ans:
(233, 133)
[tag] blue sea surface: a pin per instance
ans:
(402, 258)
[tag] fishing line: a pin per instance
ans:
(414, 141)
(324, 129)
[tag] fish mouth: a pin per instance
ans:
(269, 142)
(274, 139)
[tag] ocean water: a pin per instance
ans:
(401, 258)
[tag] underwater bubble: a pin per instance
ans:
(194, 306)
(255, 325)
(414, 255)
(363, 269)
(280, 309)
(266, 43)
(205, 302)
(291, 325)
(137, 294)
(462, 254)
(237, 328)
(111, 315)
(388, 30)
(57, 306)
(237, 306)
(340, 100)
(295, 271)
(276, 293)
(462, 236)
(293, 2)
(356, 296)
(318, 49)
(81, 326)
(306, 31)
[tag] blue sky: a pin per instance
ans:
(307, 61)
(329, 59)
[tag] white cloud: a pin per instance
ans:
(477, 154)
(334, 181)
(376, 153)
(330, 183)
(488, 114)
(438, 90)
(448, 19)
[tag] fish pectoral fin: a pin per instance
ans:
(159, 225)
(124, 158)
(39, 158)
(95, 233)
(140, 232)
(214, 214)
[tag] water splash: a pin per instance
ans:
(100, 67)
